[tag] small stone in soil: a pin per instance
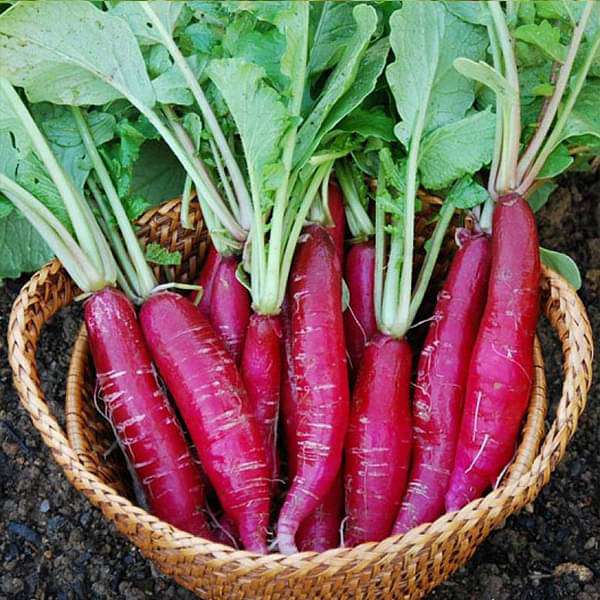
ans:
(581, 572)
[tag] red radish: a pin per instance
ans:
(207, 279)
(319, 360)
(230, 307)
(360, 324)
(142, 417)
(212, 400)
(501, 368)
(261, 372)
(378, 441)
(441, 381)
(338, 216)
(320, 531)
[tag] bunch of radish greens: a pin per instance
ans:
(313, 135)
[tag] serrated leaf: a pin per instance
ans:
(338, 85)
(426, 39)
(65, 53)
(467, 193)
(457, 149)
(132, 12)
(158, 255)
(544, 36)
(564, 265)
(260, 116)
(171, 87)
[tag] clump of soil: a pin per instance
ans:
(54, 545)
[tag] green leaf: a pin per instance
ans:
(327, 112)
(558, 161)
(23, 250)
(466, 194)
(133, 13)
(158, 255)
(541, 195)
(334, 28)
(545, 37)
(564, 265)
(457, 149)
(260, 116)
(369, 122)
(426, 40)
(474, 12)
(157, 174)
(487, 75)
(585, 117)
(171, 87)
(72, 53)
(369, 70)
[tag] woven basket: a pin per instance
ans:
(399, 567)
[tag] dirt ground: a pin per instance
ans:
(54, 545)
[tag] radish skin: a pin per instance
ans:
(338, 216)
(143, 419)
(230, 307)
(261, 372)
(378, 442)
(360, 324)
(441, 382)
(501, 368)
(209, 392)
(320, 372)
(320, 531)
(206, 280)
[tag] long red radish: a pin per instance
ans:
(338, 216)
(261, 371)
(207, 279)
(319, 359)
(213, 403)
(144, 421)
(230, 307)
(360, 324)
(320, 531)
(441, 381)
(501, 368)
(378, 441)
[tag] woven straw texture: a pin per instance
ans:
(399, 567)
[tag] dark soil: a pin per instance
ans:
(54, 545)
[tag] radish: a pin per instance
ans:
(320, 531)
(501, 368)
(261, 371)
(319, 367)
(378, 443)
(206, 279)
(441, 379)
(143, 420)
(337, 214)
(212, 400)
(360, 324)
(230, 307)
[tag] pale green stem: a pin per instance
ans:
(391, 288)
(402, 322)
(437, 239)
(237, 178)
(507, 176)
(276, 236)
(55, 234)
(112, 234)
(559, 127)
(146, 279)
(379, 254)
(552, 107)
(359, 222)
(224, 179)
(309, 196)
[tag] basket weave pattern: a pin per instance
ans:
(401, 567)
